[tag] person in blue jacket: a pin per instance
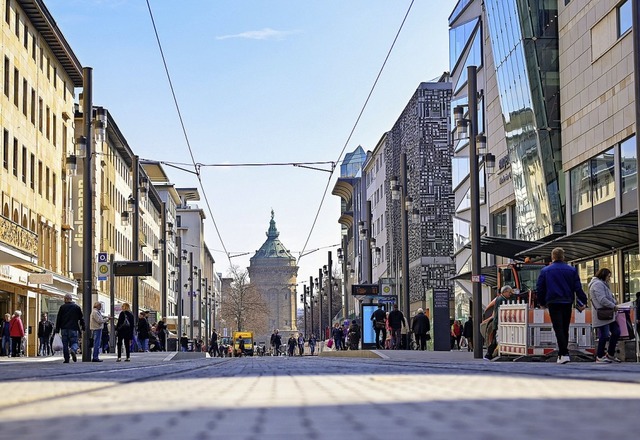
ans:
(557, 288)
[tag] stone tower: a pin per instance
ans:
(273, 272)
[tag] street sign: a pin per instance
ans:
(365, 289)
(103, 269)
(477, 278)
(132, 268)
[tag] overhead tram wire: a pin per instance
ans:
(364, 106)
(184, 131)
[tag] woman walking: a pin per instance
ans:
(608, 329)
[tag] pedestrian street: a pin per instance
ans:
(400, 395)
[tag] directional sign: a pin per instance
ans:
(104, 268)
(477, 278)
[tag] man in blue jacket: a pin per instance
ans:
(557, 288)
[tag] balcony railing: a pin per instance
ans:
(21, 238)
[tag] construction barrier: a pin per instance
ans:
(524, 331)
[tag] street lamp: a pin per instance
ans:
(399, 192)
(85, 144)
(476, 142)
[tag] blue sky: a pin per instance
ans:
(257, 81)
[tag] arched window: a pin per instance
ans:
(5, 210)
(16, 216)
(25, 222)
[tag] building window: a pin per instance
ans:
(33, 107)
(628, 165)
(17, 24)
(500, 228)
(48, 132)
(40, 114)
(7, 12)
(55, 131)
(15, 157)
(54, 189)
(40, 177)
(24, 164)
(26, 36)
(32, 171)
(5, 150)
(33, 48)
(25, 96)
(624, 18)
(47, 184)
(592, 182)
(6, 77)
(16, 87)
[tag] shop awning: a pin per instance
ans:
(490, 276)
(606, 237)
(505, 247)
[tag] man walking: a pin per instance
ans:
(557, 288)
(69, 323)
(379, 325)
(96, 322)
(45, 329)
(421, 327)
(467, 332)
(213, 345)
(396, 322)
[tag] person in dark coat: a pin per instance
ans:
(45, 330)
(420, 327)
(467, 332)
(396, 322)
(143, 332)
(161, 331)
(379, 318)
(105, 338)
(69, 323)
(124, 329)
(213, 344)
(276, 342)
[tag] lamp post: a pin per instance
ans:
(135, 235)
(399, 192)
(476, 142)
(330, 285)
(635, 13)
(191, 295)
(87, 200)
(319, 286)
(163, 263)
(311, 301)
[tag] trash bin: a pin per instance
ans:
(172, 344)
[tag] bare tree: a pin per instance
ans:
(242, 305)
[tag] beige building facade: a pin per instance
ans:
(38, 72)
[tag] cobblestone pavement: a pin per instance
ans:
(400, 395)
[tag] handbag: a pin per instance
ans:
(125, 323)
(379, 325)
(605, 313)
(428, 338)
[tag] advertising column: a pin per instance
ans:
(441, 327)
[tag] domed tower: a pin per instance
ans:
(273, 272)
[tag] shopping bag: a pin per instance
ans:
(621, 319)
(330, 343)
(57, 342)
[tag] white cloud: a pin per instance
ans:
(264, 34)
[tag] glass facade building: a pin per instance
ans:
(524, 39)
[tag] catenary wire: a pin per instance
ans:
(364, 106)
(184, 131)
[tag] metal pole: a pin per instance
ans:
(345, 276)
(163, 282)
(311, 302)
(87, 207)
(191, 295)
(330, 287)
(136, 235)
(369, 254)
(112, 308)
(304, 309)
(207, 312)
(635, 12)
(405, 237)
(474, 181)
(199, 303)
(179, 299)
(320, 287)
